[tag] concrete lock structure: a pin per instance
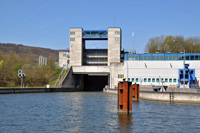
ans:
(93, 69)
(125, 94)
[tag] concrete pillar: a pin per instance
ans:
(76, 48)
(114, 45)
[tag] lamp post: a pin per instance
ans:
(127, 69)
(183, 64)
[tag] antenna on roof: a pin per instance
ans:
(114, 21)
(133, 40)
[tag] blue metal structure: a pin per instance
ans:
(189, 76)
(162, 57)
(95, 34)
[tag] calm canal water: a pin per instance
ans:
(92, 112)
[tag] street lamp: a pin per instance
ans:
(183, 64)
(127, 69)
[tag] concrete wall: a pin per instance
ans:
(73, 81)
(178, 97)
(114, 45)
(76, 47)
(70, 80)
(157, 69)
(115, 70)
(165, 96)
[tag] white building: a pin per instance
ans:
(64, 59)
(151, 69)
(42, 60)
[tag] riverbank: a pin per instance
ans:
(172, 97)
(34, 90)
(145, 94)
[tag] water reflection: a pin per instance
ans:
(136, 101)
(125, 122)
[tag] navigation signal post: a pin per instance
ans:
(22, 76)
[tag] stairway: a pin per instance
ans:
(59, 80)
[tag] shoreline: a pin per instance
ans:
(145, 94)
(35, 90)
(172, 97)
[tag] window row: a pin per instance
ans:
(166, 80)
(65, 55)
(162, 57)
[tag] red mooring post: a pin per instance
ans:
(125, 94)
(136, 91)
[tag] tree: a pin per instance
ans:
(154, 44)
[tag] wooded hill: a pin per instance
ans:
(15, 57)
(23, 51)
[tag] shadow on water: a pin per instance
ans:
(125, 122)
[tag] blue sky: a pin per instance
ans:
(46, 23)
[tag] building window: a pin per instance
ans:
(65, 55)
(149, 79)
(117, 32)
(120, 76)
(153, 79)
(132, 79)
(117, 39)
(72, 39)
(145, 79)
(157, 57)
(129, 79)
(157, 80)
(145, 57)
(136, 79)
(166, 80)
(162, 79)
(191, 71)
(72, 33)
(180, 57)
(170, 80)
(174, 80)
(133, 57)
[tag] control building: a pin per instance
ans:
(151, 69)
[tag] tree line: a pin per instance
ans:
(165, 44)
(36, 76)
